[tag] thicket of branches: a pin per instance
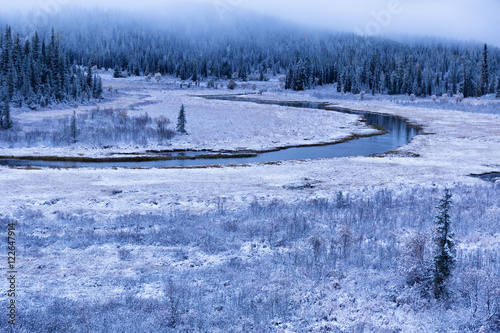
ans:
(308, 266)
(97, 128)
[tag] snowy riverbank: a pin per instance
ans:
(454, 144)
(213, 125)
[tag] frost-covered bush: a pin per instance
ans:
(362, 95)
(231, 85)
(164, 133)
(412, 97)
(465, 106)
(99, 127)
(271, 266)
(444, 98)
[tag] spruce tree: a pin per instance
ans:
(73, 127)
(444, 256)
(484, 72)
(5, 121)
(498, 87)
(17, 53)
(289, 79)
(469, 90)
(35, 42)
(194, 78)
(2, 107)
(98, 90)
(90, 83)
(300, 77)
(117, 72)
(181, 121)
(242, 73)
(6, 55)
(6, 110)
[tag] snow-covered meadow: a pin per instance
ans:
(453, 145)
(212, 124)
(269, 247)
(346, 263)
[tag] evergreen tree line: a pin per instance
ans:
(258, 48)
(419, 70)
(35, 72)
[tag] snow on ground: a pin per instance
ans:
(211, 124)
(453, 145)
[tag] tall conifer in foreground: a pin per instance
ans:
(444, 256)
(181, 121)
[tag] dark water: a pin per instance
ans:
(399, 133)
(492, 176)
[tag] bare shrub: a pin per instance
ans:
(163, 131)
(99, 127)
(414, 259)
(231, 85)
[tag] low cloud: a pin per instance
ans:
(458, 19)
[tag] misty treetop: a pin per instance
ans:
(252, 47)
(245, 47)
(35, 72)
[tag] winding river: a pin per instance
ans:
(398, 133)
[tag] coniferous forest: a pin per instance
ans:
(36, 72)
(40, 71)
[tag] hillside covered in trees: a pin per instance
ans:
(246, 47)
(202, 46)
(36, 72)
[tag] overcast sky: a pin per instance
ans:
(460, 19)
